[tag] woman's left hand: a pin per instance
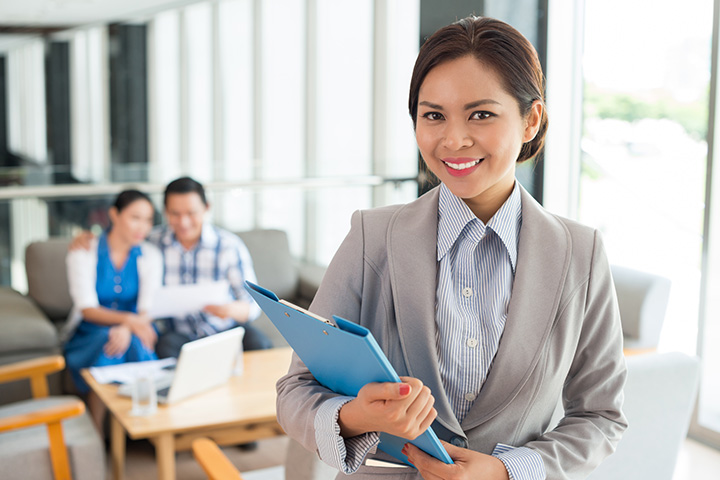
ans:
(468, 464)
(118, 341)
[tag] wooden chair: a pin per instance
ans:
(39, 411)
(213, 461)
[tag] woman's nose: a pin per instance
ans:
(457, 136)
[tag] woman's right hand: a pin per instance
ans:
(118, 341)
(141, 326)
(402, 409)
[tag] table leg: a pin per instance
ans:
(117, 446)
(165, 453)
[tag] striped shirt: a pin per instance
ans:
(218, 255)
(475, 276)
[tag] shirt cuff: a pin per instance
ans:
(522, 463)
(344, 454)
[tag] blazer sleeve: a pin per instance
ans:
(299, 394)
(593, 422)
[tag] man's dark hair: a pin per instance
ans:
(185, 185)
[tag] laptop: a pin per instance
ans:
(202, 365)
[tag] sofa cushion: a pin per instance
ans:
(26, 450)
(25, 327)
(272, 261)
(47, 277)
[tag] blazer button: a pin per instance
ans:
(459, 442)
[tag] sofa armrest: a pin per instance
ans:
(36, 370)
(213, 461)
(642, 299)
(49, 415)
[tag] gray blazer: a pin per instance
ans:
(562, 337)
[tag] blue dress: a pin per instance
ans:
(117, 289)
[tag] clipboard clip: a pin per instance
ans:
(307, 312)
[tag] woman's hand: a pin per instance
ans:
(468, 464)
(118, 341)
(140, 325)
(401, 409)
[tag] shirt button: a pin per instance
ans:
(117, 289)
(472, 342)
(470, 397)
(467, 292)
(118, 279)
(459, 442)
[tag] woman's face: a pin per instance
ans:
(134, 222)
(470, 131)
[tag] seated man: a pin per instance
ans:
(194, 251)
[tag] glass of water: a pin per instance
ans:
(144, 394)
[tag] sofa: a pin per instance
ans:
(30, 323)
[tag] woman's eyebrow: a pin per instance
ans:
(431, 105)
(468, 106)
(478, 103)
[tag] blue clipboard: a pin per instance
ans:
(343, 357)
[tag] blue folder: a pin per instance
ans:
(343, 357)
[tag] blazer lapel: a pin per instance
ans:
(539, 279)
(412, 264)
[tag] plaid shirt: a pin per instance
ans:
(218, 255)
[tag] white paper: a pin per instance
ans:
(180, 300)
(128, 372)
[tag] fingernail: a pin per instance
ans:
(404, 389)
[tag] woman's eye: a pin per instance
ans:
(433, 116)
(481, 115)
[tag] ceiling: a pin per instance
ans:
(20, 19)
(48, 13)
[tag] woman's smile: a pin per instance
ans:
(460, 167)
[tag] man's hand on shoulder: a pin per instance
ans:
(82, 241)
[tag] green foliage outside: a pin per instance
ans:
(622, 106)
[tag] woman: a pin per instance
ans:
(111, 285)
(493, 310)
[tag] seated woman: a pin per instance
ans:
(111, 285)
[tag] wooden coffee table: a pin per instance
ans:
(241, 411)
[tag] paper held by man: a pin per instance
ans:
(180, 300)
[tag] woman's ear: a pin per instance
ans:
(532, 121)
(113, 214)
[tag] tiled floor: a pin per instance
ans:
(695, 461)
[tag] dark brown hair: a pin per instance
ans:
(498, 46)
(126, 197)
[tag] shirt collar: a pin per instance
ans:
(454, 215)
(208, 237)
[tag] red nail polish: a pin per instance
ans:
(404, 389)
